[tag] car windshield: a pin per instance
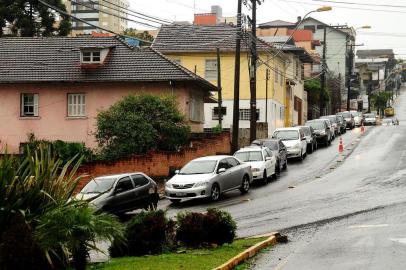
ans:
(317, 125)
(346, 114)
(99, 185)
(249, 156)
(307, 131)
(356, 114)
(331, 118)
(199, 167)
(370, 115)
(273, 145)
(286, 135)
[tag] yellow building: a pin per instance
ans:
(194, 47)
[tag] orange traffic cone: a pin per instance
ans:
(362, 128)
(341, 146)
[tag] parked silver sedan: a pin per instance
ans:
(209, 177)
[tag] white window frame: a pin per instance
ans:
(34, 104)
(210, 69)
(245, 114)
(76, 105)
(91, 57)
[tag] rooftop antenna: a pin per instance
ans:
(194, 7)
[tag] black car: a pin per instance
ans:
(322, 131)
(121, 193)
(311, 138)
(278, 149)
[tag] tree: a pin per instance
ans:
(145, 35)
(380, 101)
(32, 18)
(138, 124)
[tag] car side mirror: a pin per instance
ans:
(268, 158)
(221, 170)
(177, 171)
(304, 139)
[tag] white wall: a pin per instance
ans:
(276, 114)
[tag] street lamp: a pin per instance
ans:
(322, 9)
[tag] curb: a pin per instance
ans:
(248, 253)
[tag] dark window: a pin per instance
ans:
(139, 180)
(124, 184)
(233, 162)
(281, 145)
(215, 112)
(320, 26)
(269, 152)
(310, 27)
(224, 164)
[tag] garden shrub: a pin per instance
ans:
(213, 227)
(146, 233)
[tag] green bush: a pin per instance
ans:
(146, 233)
(138, 124)
(213, 227)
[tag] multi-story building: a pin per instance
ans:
(106, 14)
(339, 42)
(194, 47)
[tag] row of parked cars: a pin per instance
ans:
(209, 177)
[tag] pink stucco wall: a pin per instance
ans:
(53, 123)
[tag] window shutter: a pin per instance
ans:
(36, 104)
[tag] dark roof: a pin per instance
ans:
(197, 38)
(276, 24)
(278, 39)
(57, 59)
(382, 53)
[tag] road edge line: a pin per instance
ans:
(248, 253)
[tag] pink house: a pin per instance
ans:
(54, 87)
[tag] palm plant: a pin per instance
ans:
(29, 187)
(34, 183)
(75, 228)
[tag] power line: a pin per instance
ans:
(111, 14)
(149, 17)
(360, 4)
(345, 7)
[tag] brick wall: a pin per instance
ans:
(159, 164)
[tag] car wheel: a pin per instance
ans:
(265, 178)
(215, 192)
(285, 166)
(278, 168)
(245, 186)
(301, 156)
(174, 201)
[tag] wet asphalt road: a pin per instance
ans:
(338, 215)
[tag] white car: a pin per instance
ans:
(294, 140)
(261, 160)
(358, 118)
(209, 177)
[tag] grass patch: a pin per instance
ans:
(196, 259)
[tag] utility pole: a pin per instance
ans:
(253, 73)
(220, 97)
(323, 71)
(350, 56)
(266, 95)
(236, 104)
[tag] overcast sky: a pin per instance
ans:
(380, 36)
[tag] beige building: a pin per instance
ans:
(106, 14)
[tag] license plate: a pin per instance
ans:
(181, 194)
